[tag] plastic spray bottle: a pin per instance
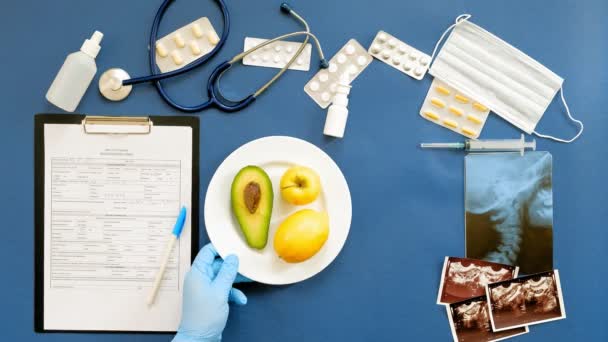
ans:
(75, 75)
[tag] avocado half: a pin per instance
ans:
(252, 197)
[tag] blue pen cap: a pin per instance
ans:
(179, 224)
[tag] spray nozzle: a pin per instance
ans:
(96, 37)
(91, 46)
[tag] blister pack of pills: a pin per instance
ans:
(277, 54)
(399, 55)
(185, 45)
(446, 106)
(351, 60)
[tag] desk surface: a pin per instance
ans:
(407, 203)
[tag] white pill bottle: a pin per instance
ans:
(75, 75)
(337, 114)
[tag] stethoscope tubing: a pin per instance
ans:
(215, 97)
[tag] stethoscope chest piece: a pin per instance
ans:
(111, 87)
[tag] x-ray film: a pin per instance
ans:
(509, 209)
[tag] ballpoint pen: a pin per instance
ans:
(177, 230)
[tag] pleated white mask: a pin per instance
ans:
(512, 84)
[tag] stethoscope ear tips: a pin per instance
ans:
(323, 64)
(285, 8)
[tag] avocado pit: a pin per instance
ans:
(251, 195)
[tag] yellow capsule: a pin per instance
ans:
(177, 58)
(455, 111)
(474, 119)
(469, 132)
(437, 103)
(431, 115)
(461, 98)
(450, 123)
(213, 38)
(194, 48)
(197, 31)
(480, 107)
(442, 90)
(179, 40)
(161, 50)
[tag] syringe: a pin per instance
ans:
(506, 145)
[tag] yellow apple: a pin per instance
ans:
(300, 185)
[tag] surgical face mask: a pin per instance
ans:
(506, 80)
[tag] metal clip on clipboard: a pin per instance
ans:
(117, 125)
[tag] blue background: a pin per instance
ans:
(407, 203)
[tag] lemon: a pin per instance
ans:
(301, 235)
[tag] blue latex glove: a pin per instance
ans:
(217, 264)
(207, 290)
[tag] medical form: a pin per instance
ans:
(110, 203)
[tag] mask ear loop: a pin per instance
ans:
(561, 91)
(459, 19)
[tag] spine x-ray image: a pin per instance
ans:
(509, 209)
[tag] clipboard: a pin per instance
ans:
(100, 125)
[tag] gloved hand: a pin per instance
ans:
(207, 290)
(217, 264)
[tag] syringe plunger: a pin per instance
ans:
(506, 145)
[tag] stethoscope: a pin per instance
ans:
(115, 84)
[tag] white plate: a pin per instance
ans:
(275, 155)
